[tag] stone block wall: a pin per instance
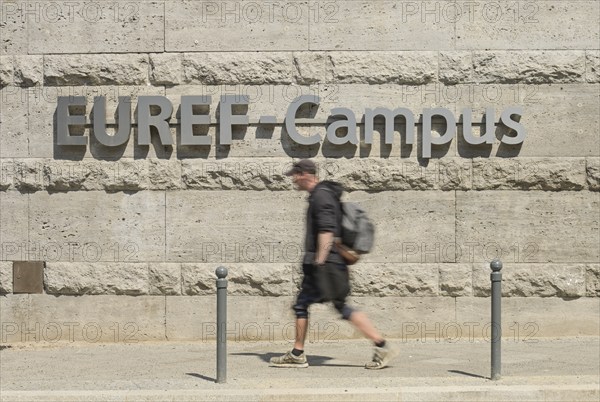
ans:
(132, 235)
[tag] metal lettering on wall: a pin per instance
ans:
(339, 118)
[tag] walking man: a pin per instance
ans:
(325, 272)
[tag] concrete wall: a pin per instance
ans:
(131, 235)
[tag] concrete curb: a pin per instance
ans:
(583, 392)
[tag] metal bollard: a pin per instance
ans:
(221, 325)
(496, 278)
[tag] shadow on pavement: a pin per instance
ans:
(468, 374)
(203, 377)
(313, 360)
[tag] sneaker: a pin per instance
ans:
(289, 360)
(382, 357)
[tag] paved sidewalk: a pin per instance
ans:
(539, 370)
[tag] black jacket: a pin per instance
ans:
(324, 214)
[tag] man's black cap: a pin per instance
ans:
(303, 166)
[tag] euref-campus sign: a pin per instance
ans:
(340, 118)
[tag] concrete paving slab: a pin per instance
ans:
(540, 369)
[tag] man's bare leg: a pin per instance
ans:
(301, 328)
(363, 324)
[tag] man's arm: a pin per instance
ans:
(325, 223)
(324, 244)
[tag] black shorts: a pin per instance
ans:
(323, 284)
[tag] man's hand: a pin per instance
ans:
(324, 244)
